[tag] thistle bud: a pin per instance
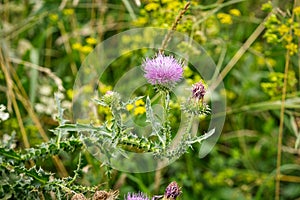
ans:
(111, 97)
(172, 191)
(78, 197)
(198, 91)
(195, 104)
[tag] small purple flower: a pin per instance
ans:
(172, 191)
(137, 196)
(198, 91)
(162, 70)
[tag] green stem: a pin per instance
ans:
(77, 170)
(166, 122)
(189, 127)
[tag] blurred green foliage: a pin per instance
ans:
(43, 44)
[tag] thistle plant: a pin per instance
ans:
(163, 72)
(115, 137)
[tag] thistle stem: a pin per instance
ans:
(166, 122)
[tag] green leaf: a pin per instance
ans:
(9, 153)
(85, 127)
(34, 74)
(202, 137)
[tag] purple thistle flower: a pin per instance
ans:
(162, 70)
(137, 196)
(198, 90)
(172, 191)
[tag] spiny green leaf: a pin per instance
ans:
(9, 153)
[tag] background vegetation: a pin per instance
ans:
(255, 44)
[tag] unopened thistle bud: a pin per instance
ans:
(198, 91)
(195, 104)
(172, 191)
(111, 97)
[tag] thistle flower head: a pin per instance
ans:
(172, 191)
(198, 90)
(162, 70)
(136, 196)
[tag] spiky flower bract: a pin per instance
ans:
(137, 196)
(162, 70)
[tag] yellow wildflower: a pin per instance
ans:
(271, 62)
(297, 32)
(174, 105)
(189, 81)
(139, 110)
(187, 71)
(273, 19)
(152, 6)
(174, 5)
(86, 49)
(288, 38)
(260, 61)
(91, 40)
(197, 78)
(53, 17)
(139, 102)
(292, 47)
(267, 7)
(228, 94)
(76, 46)
(87, 89)
(70, 93)
(297, 10)
(108, 117)
(68, 11)
(235, 12)
(129, 107)
(140, 21)
(103, 110)
(166, 1)
(258, 47)
(271, 37)
(104, 88)
(283, 29)
(224, 18)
